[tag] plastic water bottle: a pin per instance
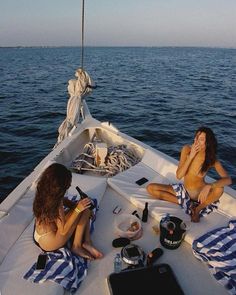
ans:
(117, 263)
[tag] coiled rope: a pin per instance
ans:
(118, 159)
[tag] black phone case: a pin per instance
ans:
(141, 181)
(154, 280)
(41, 262)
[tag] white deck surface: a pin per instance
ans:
(193, 276)
(17, 229)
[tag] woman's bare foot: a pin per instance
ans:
(92, 250)
(194, 215)
(82, 252)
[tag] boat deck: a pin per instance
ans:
(193, 276)
(18, 252)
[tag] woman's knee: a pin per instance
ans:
(154, 190)
(151, 187)
(86, 213)
(214, 195)
(84, 216)
(218, 192)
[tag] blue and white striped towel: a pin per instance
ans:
(217, 249)
(76, 198)
(63, 267)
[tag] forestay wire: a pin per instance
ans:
(82, 36)
(77, 89)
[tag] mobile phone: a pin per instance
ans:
(41, 262)
(141, 181)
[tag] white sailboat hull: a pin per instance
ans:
(18, 252)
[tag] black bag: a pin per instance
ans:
(158, 280)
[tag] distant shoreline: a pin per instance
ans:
(109, 46)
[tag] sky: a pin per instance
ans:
(208, 23)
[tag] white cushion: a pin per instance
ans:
(227, 204)
(95, 187)
(124, 182)
(15, 221)
(18, 261)
(161, 163)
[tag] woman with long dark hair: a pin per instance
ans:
(54, 226)
(195, 195)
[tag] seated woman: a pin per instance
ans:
(54, 227)
(195, 195)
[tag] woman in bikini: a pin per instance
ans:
(54, 226)
(195, 195)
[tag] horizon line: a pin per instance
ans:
(115, 46)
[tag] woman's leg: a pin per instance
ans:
(88, 245)
(82, 244)
(80, 233)
(162, 192)
(213, 196)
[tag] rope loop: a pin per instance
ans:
(118, 159)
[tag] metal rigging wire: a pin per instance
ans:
(82, 37)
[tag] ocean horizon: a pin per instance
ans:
(115, 46)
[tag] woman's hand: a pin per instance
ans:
(83, 204)
(204, 193)
(195, 148)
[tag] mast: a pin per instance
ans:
(82, 36)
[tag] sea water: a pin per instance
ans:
(157, 95)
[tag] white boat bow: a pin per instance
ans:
(18, 251)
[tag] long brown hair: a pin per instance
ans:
(51, 188)
(211, 148)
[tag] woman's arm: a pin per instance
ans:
(187, 155)
(66, 225)
(224, 180)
